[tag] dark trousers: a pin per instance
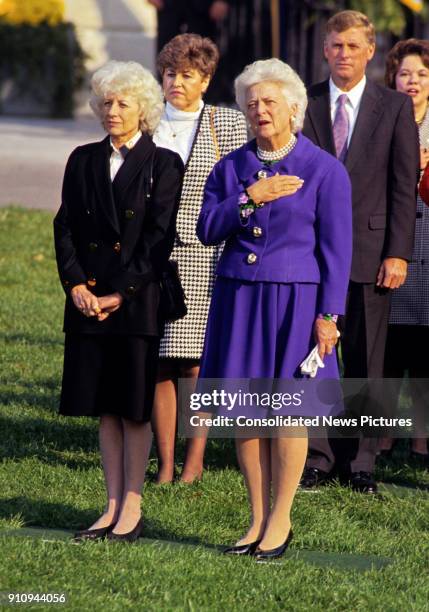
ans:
(363, 339)
(406, 348)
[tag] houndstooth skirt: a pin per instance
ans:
(185, 338)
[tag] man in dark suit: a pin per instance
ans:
(372, 130)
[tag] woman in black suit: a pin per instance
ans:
(114, 233)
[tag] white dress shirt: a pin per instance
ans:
(116, 159)
(354, 97)
(176, 130)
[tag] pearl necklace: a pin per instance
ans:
(279, 153)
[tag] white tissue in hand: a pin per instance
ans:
(312, 363)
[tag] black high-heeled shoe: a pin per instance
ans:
(242, 549)
(92, 534)
(262, 556)
(131, 536)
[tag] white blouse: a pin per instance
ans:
(116, 157)
(176, 130)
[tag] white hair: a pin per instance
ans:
(130, 78)
(279, 72)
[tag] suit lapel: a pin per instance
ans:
(132, 165)
(103, 185)
(366, 122)
(202, 143)
(320, 117)
(248, 164)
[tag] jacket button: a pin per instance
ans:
(93, 246)
(129, 214)
(419, 215)
(257, 232)
(66, 283)
(117, 247)
(91, 281)
(130, 290)
(251, 258)
(262, 174)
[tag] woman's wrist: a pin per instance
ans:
(250, 192)
(77, 288)
(327, 316)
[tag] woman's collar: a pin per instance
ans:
(248, 163)
(130, 143)
(175, 114)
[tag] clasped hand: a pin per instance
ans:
(277, 186)
(326, 336)
(92, 306)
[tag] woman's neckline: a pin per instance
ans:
(175, 114)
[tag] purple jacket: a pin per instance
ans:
(303, 238)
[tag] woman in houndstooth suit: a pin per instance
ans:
(201, 134)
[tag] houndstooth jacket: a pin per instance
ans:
(184, 338)
(410, 303)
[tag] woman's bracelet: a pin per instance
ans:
(328, 317)
(247, 206)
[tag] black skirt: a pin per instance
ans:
(109, 374)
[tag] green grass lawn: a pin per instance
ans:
(350, 552)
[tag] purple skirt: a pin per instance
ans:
(261, 330)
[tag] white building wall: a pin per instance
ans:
(113, 29)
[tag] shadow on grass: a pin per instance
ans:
(34, 398)
(56, 516)
(46, 440)
(41, 394)
(401, 470)
(322, 559)
(31, 340)
(404, 483)
(51, 440)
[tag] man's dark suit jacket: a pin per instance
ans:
(117, 236)
(383, 164)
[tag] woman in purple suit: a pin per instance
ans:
(283, 208)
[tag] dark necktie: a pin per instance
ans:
(124, 150)
(341, 127)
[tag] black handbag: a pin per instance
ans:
(172, 299)
(172, 304)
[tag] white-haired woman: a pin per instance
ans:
(114, 233)
(283, 208)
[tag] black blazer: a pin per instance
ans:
(117, 236)
(383, 164)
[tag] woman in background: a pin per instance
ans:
(201, 134)
(407, 70)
